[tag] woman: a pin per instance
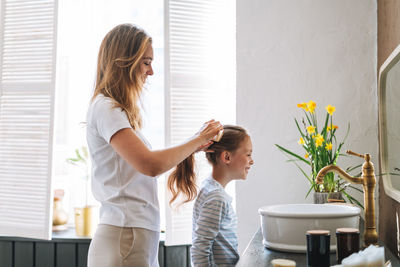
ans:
(123, 164)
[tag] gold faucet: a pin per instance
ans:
(368, 181)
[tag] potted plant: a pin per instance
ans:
(321, 149)
(84, 216)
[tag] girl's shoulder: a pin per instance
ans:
(210, 185)
(208, 194)
(212, 190)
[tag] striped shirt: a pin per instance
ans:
(214, 240)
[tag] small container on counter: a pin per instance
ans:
(318, 248)
(348, 242)
(283, 263)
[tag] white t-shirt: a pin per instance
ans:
(128, 198)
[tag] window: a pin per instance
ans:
(82, 24)
(200, 83)
(27, 77)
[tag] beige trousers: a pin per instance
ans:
(114, 246)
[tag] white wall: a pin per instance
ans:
(295, 51)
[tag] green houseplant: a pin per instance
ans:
(81, 160)
(85, 222)
(321, 149)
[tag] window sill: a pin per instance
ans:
(67, 236)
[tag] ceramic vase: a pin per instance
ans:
(322, 197)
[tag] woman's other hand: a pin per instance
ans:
(208, 132)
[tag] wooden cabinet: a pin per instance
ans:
(67, 250)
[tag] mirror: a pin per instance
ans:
(389, 123)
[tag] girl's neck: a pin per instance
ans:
(220, 175)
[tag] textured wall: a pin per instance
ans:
(295, 51)
(388, 40)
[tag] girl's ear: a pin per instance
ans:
(225, 157)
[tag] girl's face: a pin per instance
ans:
(145, 64)
(241, 160)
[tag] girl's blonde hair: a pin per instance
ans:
(183, 179)
(118, 69)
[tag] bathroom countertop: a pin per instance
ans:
(257, 255)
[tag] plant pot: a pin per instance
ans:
(85, 221)
(321, 197)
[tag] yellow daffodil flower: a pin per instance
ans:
(328, 129)
(301, 141)
(318, 136)
(303, 106)
(311, 105)
(319, 139)
(330, 109)
(328, 146)
(311, 129)
(306, 155)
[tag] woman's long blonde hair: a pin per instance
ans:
(183, 179)
(118, 69)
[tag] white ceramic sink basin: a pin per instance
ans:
(284, 227)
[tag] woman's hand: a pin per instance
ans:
(208, 133)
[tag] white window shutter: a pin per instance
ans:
(27, 75)
(200, 84)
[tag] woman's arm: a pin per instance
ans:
(152, 163)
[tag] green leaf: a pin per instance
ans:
(352, 200)
(350, 169)
(324, 131)
(309, 190)
(79, 160)
(314, 185)
(304, 173)
(298, 127)
(356, 188)
(72, 162)
(293, 160)
(386, 173)
(78, 155)
(347, 134)
(308, 119)
(292, 154)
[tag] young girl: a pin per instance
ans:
(214, 240)
(123, 165)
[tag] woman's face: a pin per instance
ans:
(241, 160)
(145, 64)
